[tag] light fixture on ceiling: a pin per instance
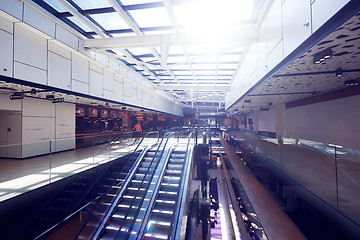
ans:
(339, 72)
(247, 101)
(50, 97)
(355, 82)
(57, 100)
(264, 109)
(322, 56)
(17, 96)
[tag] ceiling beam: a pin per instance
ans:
(195, 88)
(81, 17)
(245, 37)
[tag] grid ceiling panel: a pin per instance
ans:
(198, 61)
(110, 21)
(151, 17)
(92, 4)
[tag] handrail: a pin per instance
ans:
(145, 137)
(107, 144)
(175, 218)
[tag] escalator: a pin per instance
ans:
(164, 216)
(164, 208)
(150, 204)
(124, 206)
(122, 219)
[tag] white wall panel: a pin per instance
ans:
(114, 65)
(29, 73)
(37, 132)
(59, 72)
(273, 25)
(7, 104)
(267, 120)
(145, 99)
(103, 59)
(14, 123)
(38, 129)
(312, 122)
(80, 87)
(139, 93)
(96, 67)
(38, 108)
(261, 64)
(80, 68)
(66, 37)
(6, 25)
(30, 48)
(3, 130)
(108, 77)
(12, 7)
(108, 94)
(118, 90)
(56, 47)
(275, 56)
(38, 21)
(322, 10)
(295, 29)
(65, 120)
(14, 136)
(6, 50)
(96, 84)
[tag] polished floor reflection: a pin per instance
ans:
(19, 176)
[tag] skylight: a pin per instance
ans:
(209, 56)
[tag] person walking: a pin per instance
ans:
(138, 131)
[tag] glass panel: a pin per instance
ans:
(80, 24)
(234, 57)
(55, 5)
(167, 31)
(348, 165)
(91, 4)
(129, 34)
(176, 59)
(151, 17)
(110, 21)
(206, 72)
(133, 2)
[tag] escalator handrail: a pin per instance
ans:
(158, 134)
(175, 218)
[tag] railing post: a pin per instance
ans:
(50, 163)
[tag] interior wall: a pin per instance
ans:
(335, 122)
(10, 133)
(267, 120)
(64, 126)
(36, 49)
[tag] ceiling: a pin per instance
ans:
(192, 49)
(303, 78)
(186, 48)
